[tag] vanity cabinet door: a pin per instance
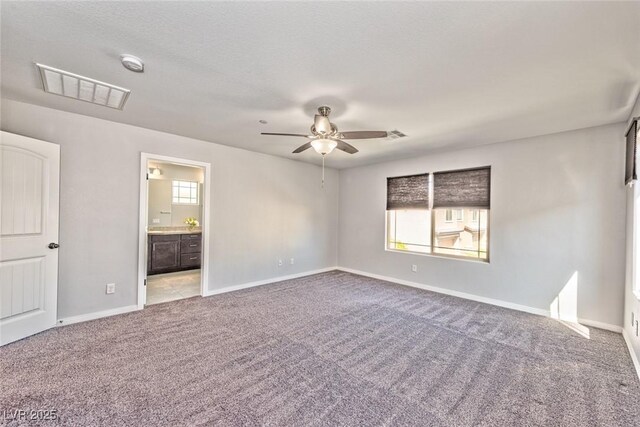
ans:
(164, 253)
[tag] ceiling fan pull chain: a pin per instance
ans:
(323, 171)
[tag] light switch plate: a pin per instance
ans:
(111, 288)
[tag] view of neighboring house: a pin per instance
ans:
(458, 232)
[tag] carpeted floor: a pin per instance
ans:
(328, 349)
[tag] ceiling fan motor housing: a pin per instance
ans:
(325, 136)
(324, 111)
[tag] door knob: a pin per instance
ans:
(53, 246)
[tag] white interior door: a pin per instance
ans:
(30, 171)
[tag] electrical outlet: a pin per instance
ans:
(111, 288)
(291, 261)
(156, 220)
(414, 268)
(279, 263)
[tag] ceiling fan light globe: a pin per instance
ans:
(323, 146)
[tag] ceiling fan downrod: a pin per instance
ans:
(324, 111)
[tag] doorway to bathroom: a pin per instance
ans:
(173, 241)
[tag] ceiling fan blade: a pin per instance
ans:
(322, 124)
(347, 148)
(302, 148)
(285, 134)
(364, 134)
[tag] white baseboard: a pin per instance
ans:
(129, 308)
(634, 356)
(97, 315)
(600, 325)
(499, 303)
(225, 289)
(232, 288)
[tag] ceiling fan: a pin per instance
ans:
(325, 135)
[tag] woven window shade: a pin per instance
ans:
(467, 188)
(408, 192)
(632, 135)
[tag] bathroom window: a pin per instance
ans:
(185, 193)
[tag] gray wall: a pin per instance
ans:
(262, 208)
(557, 207)
(632, 302)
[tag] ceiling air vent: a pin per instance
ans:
(74, 86)
(395, 134)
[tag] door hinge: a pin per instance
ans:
(147, 177)
(145, 282)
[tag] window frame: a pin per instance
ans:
(387, 233)
(197, 188)
(635, 249)
(432, 233)
(448, 215)
(635, 223)
(433, 227)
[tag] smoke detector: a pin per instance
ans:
(64, 83)
(132, 63)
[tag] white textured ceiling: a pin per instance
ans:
(447, 74)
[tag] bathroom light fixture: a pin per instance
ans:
(156, 172)
(64, 83)
(132, 63)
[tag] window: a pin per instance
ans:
(633, 133)
(185, 193)
(461, 238)
(436, 225)
(409, 230)
(448, 215)
(630, 173)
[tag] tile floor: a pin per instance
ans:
(172, 286)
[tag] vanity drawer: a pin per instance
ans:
(194, 236)
(190, 246)
(190, 260)
(164, 237)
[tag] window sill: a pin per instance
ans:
(451, 257)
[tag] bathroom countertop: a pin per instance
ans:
(173, 230)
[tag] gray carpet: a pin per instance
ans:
(329, 349)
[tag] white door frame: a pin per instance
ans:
(142, 229)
